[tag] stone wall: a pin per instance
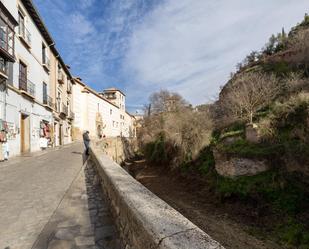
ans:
(118, 148)
(143, 220)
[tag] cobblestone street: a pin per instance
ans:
(50, 200)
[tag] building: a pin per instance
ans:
(100, 113)
(62, 99)
(126, 121)
(41, 104)
(31, 106)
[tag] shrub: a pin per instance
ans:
(243, 148)
(159, 151)
(285, 194)
(281, 68)
(293, 233)
(205, 160)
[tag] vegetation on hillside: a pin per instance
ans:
(270, 90)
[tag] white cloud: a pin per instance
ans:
(192, 46)
(80, 26)
(86, 3)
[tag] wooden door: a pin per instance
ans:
(60, 135)
(25, 133)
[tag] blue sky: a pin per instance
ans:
(141, 46)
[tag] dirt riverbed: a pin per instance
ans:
(228, 223)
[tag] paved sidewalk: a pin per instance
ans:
(51, 201)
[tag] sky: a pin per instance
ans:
(142, 46)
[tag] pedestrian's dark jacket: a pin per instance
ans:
(86, 137)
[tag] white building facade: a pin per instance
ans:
(26, 77)
(99, 115)
(41, 104)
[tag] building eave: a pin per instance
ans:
(34, 13)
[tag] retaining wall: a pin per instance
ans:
(145, 221)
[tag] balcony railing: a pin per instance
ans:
(27, 87)
(61, 78)
(48, 101)
(46, 62)
(64, 109)
(24, 33)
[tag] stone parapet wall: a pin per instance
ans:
(117, 148)
(144, 220)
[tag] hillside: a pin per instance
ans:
(250, 148)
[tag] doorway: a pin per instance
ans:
(60, 135)
(25, 133)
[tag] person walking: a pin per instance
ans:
(86, 141)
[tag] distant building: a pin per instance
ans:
(100, 114)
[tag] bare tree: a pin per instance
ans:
(249, 93)
(185, 129)
(299, 42)
(165, 101)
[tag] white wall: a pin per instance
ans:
(16, 103)
(86, 105)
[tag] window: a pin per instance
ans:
(24, 83)
(6, 34)
(58, 101)
(21, 23)
(44, 93)
(60, 75)
(44, 56)
(110, 111)
(22, 76)
(68, 105)
(3, 66)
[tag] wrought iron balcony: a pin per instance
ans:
(24, 34)
(27, 87)
(48, 101)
